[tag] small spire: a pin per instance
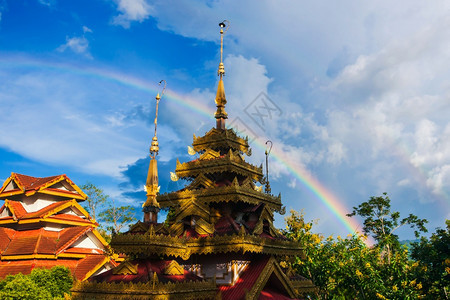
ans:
(267, 153)
(151, 206)
(221, 115)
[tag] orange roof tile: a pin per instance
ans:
(69, 235)
(86, 264)
(67, 217)
(30, 185)
(45, 210)
(16, 208)
(39, 241)
(20, 212)
(33, 183)
(6, 235)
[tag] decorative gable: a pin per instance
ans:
(60, 186)
(126, 268)
(173, 268)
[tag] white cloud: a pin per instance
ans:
(86, 29)
(131, 10)
(66, 122)
(47, 2)
(78, 45)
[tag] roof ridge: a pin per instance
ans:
(70, 241)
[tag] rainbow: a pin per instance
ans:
(332, 203)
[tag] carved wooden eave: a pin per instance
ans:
(230, 193)
(226, 163)
(184, 247)
(304, 286)
(151, 290)
(218, 138)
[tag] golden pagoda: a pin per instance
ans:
(218, 241)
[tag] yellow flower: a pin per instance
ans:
(358, 273)
(447, 269)
(412, 283)
(415, 264)
(394, 288)
(419, 286)
(380, 296)
(368, 265)
(404, 283)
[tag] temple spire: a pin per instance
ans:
(151, 206)
(221, 114)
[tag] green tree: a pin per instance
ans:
(117, 217)
(346, 268)
(95, 198)
(18, 287)
(56, 280)
(40, 284)
(380, 223)
(433, 255)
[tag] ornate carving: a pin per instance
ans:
(184, 247)
(151, 290)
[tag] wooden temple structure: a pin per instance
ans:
(218, 241)
(43, 225)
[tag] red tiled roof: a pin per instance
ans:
(270, 294)
(79, 268)
(67, 217)
(87, 264)
(70, 235)
(245, 282)
(33, 183)
(6, 235)
(20, 212)
(43, 211)
(39, 241)
(17, 209)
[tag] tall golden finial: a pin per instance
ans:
(221, 114)
(154, 148)
(268, 189)
(151, 206)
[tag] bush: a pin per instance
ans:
(40, 284)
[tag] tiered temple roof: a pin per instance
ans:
(42, 225)
(218, 238)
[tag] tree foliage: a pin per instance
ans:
(117, 217)
(42, 284)
(95, 198)
(433, 255)
(346, 268)
(111, 217)
(380, 223)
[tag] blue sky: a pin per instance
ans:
(360, 93)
